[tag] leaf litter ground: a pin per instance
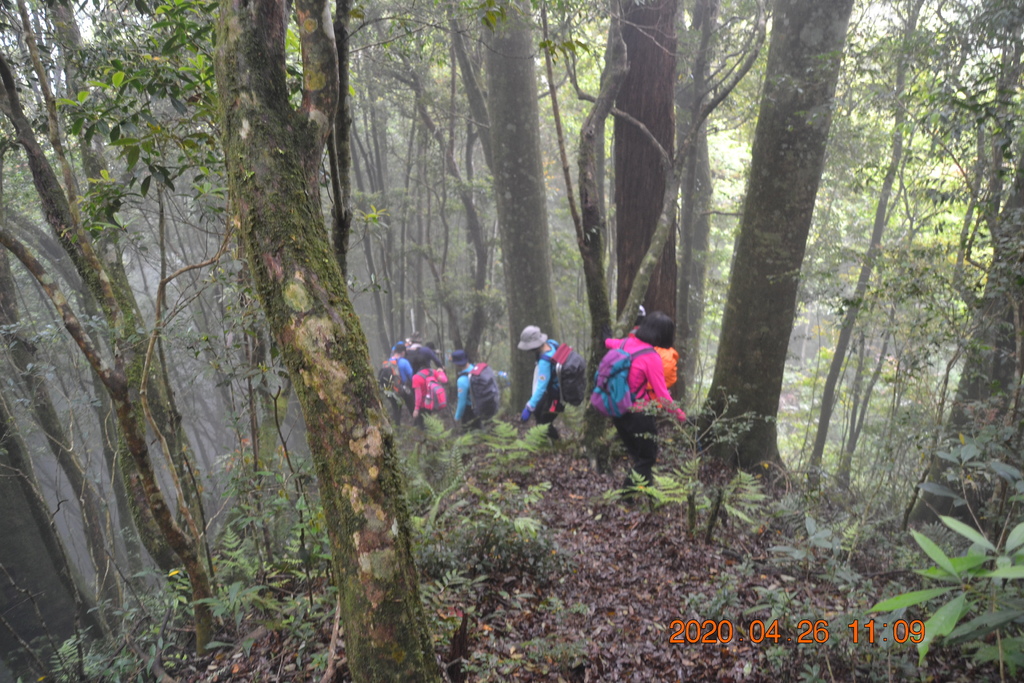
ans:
(632, 579)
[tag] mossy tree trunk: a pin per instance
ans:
(273, 155)
(786, 165)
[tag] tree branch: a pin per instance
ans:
(110, 377)
(319, 65)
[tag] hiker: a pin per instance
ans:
(395, 378)
(545, 401)
(428, 393)
(669, 356)
(421, 355)
(638, 429)
(478, 393)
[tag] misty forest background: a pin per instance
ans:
(217, 218)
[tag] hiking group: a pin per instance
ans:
(409, 380)
(631, 385)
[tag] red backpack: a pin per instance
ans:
(435, 397)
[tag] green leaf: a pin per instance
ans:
(117, 79)
(908, 599)
(941, 624)
(1015, 539)
(1004, 573)
(935, 552)
(937, 490)
(968, 532)
(968, 562)
(983, 625)
(83, 95)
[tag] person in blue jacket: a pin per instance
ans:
(464, 413)
(545, 402)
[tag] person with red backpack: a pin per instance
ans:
(429, 393)
(638, 428)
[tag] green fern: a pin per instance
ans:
(743, 497)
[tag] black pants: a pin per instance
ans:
(639, 434)
(470, 420)
(547, 410)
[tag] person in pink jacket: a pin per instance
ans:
(638, 429)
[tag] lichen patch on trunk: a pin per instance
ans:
(296, 296)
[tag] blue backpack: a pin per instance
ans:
(611, 395)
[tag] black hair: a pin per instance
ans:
(399, 347)
(657, 329)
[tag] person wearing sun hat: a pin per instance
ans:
(545, 402)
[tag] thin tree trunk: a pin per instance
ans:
(874, 249)
(695, 221)
(24, 359)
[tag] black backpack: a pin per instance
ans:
(571, 370)
(483, 389)
(390, 378)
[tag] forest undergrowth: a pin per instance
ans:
(535, 568)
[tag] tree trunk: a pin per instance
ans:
(991, 374)
(24, 359)
(38, 594)
(108, 283)
(786, 165)
(592, 229)
(341, 143)
(273, 158)
(695, 219)
(647, 94)
(519, 191)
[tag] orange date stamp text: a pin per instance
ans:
(712, 632)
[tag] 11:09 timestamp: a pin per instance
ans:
(711, 631)
(902, 631)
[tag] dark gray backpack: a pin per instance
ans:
(483, 389)
(571, 371)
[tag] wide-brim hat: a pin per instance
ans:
(459, 357)
(531, 338)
